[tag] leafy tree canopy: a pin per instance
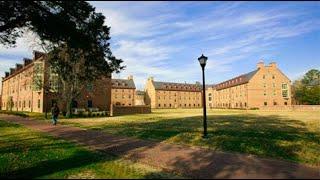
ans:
(61, 23)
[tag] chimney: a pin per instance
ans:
(130, 77)
(26, 61)
(37, 54)
(150, 78)
(12, 70)
(7, 74)
(18, 66)
(260, 64)
(273, 65)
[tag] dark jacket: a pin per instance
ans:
(55, 111)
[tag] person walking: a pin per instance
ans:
(55, 113)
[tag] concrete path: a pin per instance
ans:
(188, 161)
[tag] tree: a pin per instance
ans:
(73, 35)
(310, 76)
(307, 90)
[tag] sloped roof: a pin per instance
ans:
(123, 84)
(140, 92)
(242, 79)
(170, 86)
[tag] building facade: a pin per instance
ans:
(33, 87)
(172, 95)
(123, 92)
(140, 98)
(264, 87)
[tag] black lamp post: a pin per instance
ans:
(203, 60)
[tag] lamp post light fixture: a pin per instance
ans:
(203, 60)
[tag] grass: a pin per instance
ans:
(287, 135)
(28, 154)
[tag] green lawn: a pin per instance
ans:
(28, 154)
(293, 136)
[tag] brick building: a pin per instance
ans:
(123, 92)
(172, 95)
(20, 92)
(140, 98)
(264, 87)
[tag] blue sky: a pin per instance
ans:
(164, 39)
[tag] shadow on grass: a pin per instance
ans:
(266, 136)
(42, 168)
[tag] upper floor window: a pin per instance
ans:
(284, 86)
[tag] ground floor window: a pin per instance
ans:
(285, 103)
(274, 103)
(265, 103)
(38, 103)
(89, 103)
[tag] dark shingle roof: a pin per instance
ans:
(140, 92)
(123, 84)
(176, 86)
(242, 79)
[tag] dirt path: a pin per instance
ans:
(190, 162)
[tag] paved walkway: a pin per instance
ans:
(189, 161)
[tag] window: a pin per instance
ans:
(285, 93)
(29, 104)
(24, 104)
(265, 103)
(284, 86)
(285, 103)
(89, 104)
(129, 96)
(38, 103)
(273, 77)
(274, 103)
(159, 105)
(245, 104)
(265, 93)
(264, 76)
(170, 105)
(164, 105)
(210, 98)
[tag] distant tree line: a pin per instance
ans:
(307, 89)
